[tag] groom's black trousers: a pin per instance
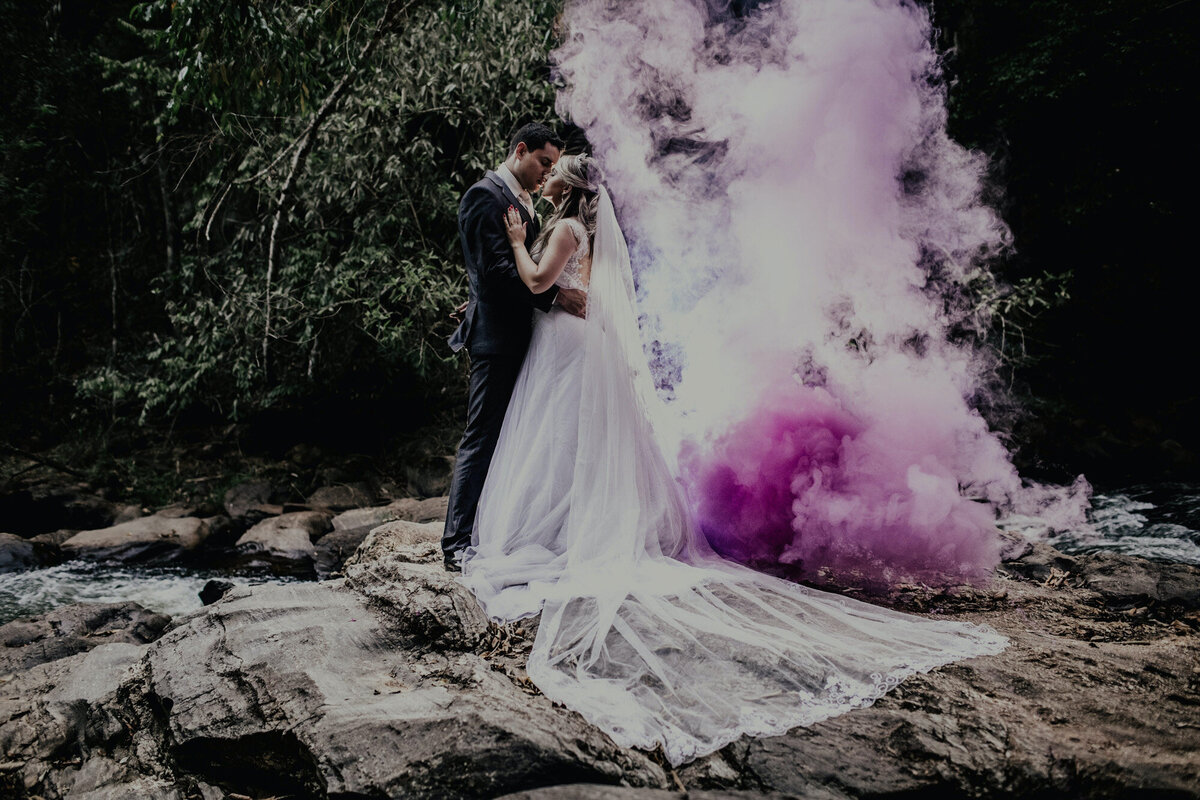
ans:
(491, 387)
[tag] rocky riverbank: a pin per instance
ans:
(386, 681)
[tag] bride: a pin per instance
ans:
(644, 630)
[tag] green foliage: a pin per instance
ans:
(369, 258)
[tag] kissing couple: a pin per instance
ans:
(565, 503)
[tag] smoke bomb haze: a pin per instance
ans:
(803, 233)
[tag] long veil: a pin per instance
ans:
(650, 635)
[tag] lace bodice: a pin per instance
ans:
(574, 274)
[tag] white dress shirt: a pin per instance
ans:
(515, 187)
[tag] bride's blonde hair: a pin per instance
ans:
(582, 173)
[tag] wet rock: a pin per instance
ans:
(73, 629)
(241, 499)
(1125, 581)
(213, 591)
(342, 496)
(408, 508)
(334, 548)
(1039, 563)
(153, 538)
(17, 553)
(286, 539)
(410, 541)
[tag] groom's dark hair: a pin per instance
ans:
(535, 135)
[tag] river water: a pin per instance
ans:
(167, 590)
(1160, 521)
(1157, 521)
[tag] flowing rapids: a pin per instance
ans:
(1157, 521)
(167, 590)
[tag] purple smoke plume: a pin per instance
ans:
(801, 483)
(804, 233)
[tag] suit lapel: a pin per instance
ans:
(534, 226)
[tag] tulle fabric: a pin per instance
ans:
(644, 630)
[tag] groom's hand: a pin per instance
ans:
(572, 301)
(457, 313)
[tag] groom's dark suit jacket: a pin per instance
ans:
(498, 319)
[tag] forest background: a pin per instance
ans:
(227, 227)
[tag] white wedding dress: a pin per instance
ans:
(645, 631)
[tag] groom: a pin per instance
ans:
(498, 317)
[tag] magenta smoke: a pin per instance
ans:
(803, 233)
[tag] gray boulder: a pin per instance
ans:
(319, 696)
(417, 542)
(334, 548)
(18, 553)
(66, 734)
(155, 537)
(1125, 581)
(286, 539)
(76, 628)
(391, 683)
(241, 499)
(431, 509)
(54, 538)
(344, 495)
(409, 541)
(407, 508)
(214, 590)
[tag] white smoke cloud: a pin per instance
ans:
(795, 207)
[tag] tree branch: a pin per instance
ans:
(304, 145)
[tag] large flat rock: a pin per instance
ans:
(25, 643)
(18, 553)
(145, 538)
(1085, 702)
(408, 509)
(302, 689)
(390, 683)
(285, 540)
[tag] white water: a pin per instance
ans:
(167, 590)
(1160, 522)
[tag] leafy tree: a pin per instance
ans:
(330, 145)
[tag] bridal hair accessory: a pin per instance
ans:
(595, 175)
(584, 174)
